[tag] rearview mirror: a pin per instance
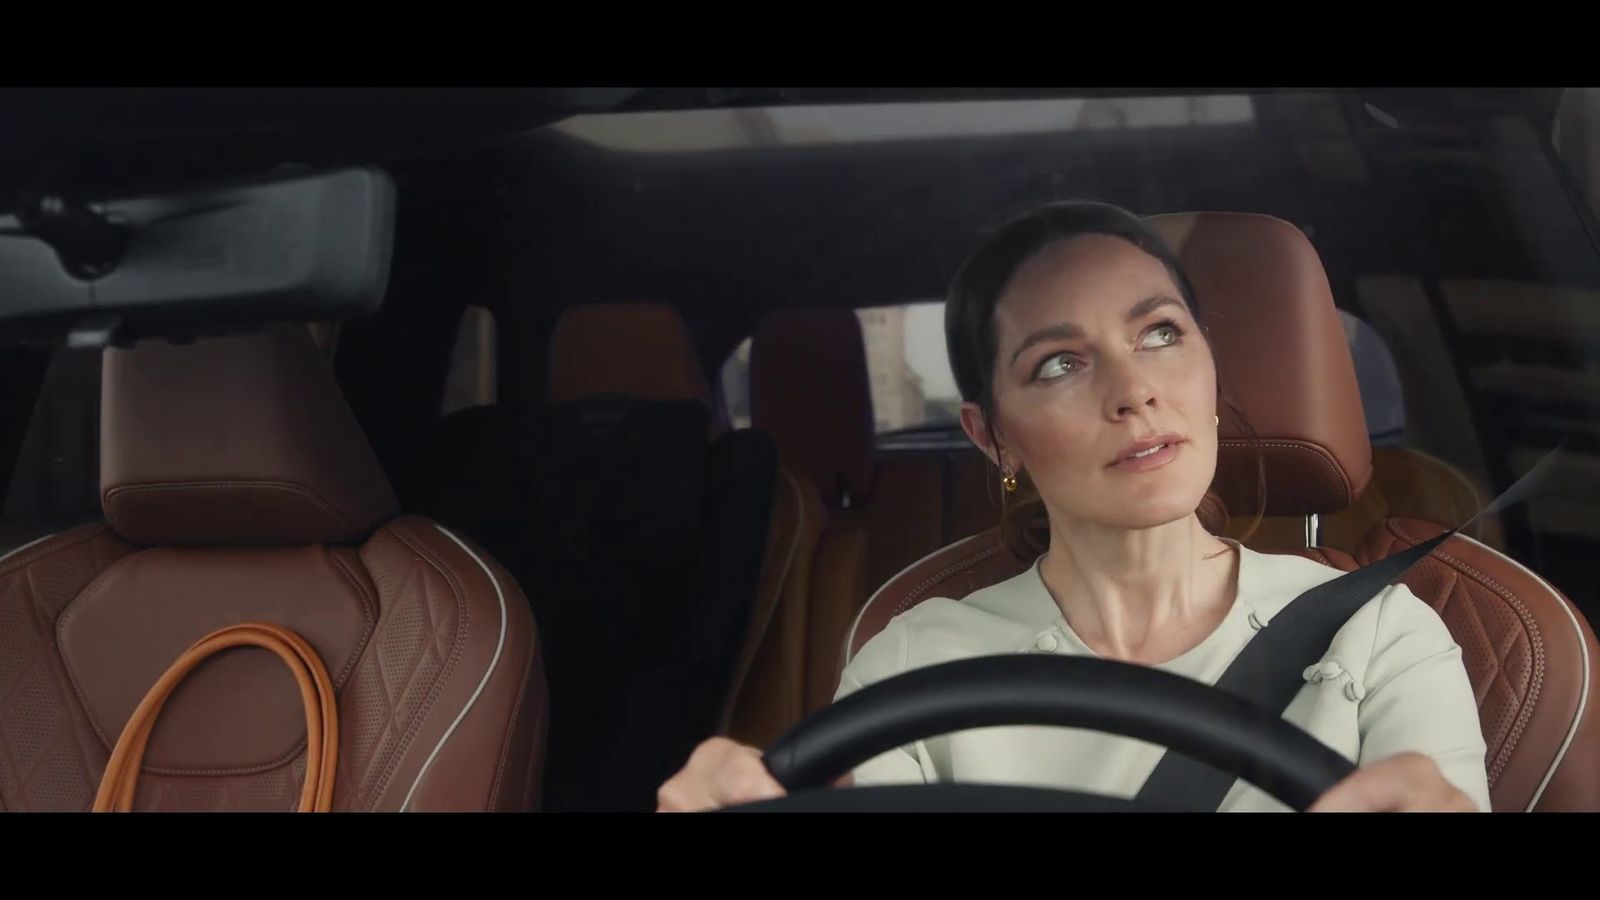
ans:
(303, 247)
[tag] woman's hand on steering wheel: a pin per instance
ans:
(719, 773)
(1406, 782)
(722, 773)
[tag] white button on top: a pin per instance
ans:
(1047, 642)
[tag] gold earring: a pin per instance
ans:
(1009, 480)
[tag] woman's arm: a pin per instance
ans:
(1421, 742)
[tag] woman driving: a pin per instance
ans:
(1088, 380)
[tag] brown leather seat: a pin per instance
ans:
(1530, 654)
(924, 499)
(769, 686)
(236, 486)
(972, 489)
(810, 390)
(809, 553)
(640, 350)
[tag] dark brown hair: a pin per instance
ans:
(971, 342)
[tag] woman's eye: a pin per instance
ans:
(1161, 336)
(1057, 366)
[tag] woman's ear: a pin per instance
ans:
(977, 429)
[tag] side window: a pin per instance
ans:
(736, 386)
(912, 388)
(473, 363)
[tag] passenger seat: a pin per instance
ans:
(236, 487)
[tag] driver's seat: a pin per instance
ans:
(1284, 358)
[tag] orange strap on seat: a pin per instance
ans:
(316, 693)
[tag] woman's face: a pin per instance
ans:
(1105, 391)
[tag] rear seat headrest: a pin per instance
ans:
(639, 350)
(809, 390)
(235, 441)
(1282, 356)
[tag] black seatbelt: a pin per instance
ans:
(1268, 670)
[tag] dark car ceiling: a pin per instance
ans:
(859, 224)
(87, 139)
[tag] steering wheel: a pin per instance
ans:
(1200, 721)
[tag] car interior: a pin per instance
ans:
(572, 427)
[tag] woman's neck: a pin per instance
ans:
(1143, 596)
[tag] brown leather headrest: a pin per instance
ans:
(1283, 358)
(235, 441)
(640, 350)
(809, 391)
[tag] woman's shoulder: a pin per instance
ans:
(1269, 582)
(1389, 631)
(1003, 618)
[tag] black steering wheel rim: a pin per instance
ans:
(1184, 715)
